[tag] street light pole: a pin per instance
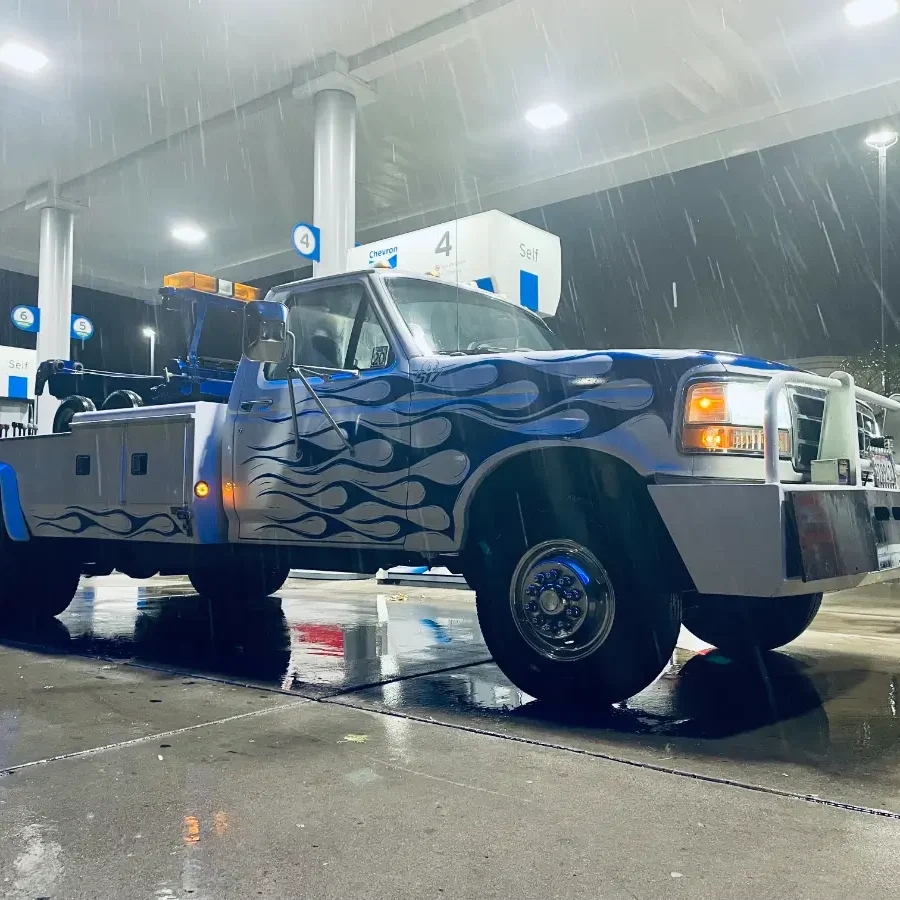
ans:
(150, 334)
(882, 141)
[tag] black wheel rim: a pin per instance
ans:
(562, 600)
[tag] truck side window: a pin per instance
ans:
(335, 328)
(373, 351)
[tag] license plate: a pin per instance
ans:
(883, 469)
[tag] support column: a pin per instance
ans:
(334, 188)
(54, 299)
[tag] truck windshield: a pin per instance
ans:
(448, 319)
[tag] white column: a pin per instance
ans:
(54, 299)
(334, 188)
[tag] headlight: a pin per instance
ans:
(727, 417)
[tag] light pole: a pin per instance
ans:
(150, 334)
(882, 141)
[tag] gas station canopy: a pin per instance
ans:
(154, 114)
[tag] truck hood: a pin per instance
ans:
(680, 358)
(614, 385)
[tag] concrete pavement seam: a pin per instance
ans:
(131, 742)
(637, 764)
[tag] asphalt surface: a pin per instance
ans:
(354, 740)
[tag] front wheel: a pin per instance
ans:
(575, 622)
(240, 580)
(740, 625)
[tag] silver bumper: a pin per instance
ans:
(770, 540)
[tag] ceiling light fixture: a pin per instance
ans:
(550, 115)
(882, 140)
(868, 12)
(21, 57)
(188, 234)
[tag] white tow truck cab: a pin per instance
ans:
(595, 500)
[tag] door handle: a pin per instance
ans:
(262, 403)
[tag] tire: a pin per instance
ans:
(32, 587)
(62, 421)
(243, 580)
(625, 627)
(741, 625)
(123, 400)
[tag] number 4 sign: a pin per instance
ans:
(305, 239)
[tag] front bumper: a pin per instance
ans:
(771, 540)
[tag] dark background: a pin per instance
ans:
(773, 253)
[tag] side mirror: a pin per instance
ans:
(265, 331)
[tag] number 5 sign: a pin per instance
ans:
(305, 239)
(82, 328)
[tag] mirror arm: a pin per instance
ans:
(292, 369)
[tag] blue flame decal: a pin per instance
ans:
(418, 437)
(117, 522)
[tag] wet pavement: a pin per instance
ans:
(139, 670)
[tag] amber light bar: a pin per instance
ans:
(209, 284)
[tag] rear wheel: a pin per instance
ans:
(567, 613)
(34, 586)
(235, 579)
(741, 625)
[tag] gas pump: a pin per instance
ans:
(17, 371)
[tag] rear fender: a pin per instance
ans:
(13, 518)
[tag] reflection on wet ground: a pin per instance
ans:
(315, 641)
(820, 718)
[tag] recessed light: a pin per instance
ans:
(21, 57)
(189, 234)
(868, 12)
(550, 115)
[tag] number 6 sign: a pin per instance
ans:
(26, 318)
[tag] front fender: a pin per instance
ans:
(13, 518)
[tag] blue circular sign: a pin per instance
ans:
(306, 240)
(26, 318)
(82, 328)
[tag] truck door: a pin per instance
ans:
(323, 491)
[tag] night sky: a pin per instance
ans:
(773, 254)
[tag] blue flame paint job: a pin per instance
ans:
(419, 436)
(78, 520)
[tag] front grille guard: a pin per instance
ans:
(838, 438)
(807, 406)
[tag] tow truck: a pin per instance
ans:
(207, 311)
(594, 499)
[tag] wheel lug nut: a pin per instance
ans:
(573, 611)
(566, 580)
